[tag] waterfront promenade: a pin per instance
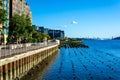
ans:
(14, 49)
(17, 60)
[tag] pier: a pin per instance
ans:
(16, 61)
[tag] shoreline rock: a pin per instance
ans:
(72, 44)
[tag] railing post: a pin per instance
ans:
(9, 48)
(0, 52)
(26, 47)
(1, 72)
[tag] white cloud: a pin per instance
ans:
(74, 22)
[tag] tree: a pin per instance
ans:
(36, 36)
(0, 2)
(46, 35)
(20, 28)
(17, 27)
(29, 31)
(28, 20)
(3, 15)
(29, 28)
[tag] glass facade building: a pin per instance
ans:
(6, 24)
(52, 33)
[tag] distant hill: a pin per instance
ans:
(116, 38)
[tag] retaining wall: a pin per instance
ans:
(17, 66)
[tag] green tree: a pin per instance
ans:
(0, 2)
(20, 28)
(37, 36)
(17, 27)
(28, 20)
(29, 31)
(29, 27)
(46, 35)
(3, 15)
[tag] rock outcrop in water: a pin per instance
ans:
(72, 44)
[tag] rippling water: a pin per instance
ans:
(99, 62)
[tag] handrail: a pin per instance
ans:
(14, 49)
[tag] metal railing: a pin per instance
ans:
(14, 49)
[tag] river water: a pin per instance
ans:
(99, 62)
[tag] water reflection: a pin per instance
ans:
(84, 64)
(39, 70)
(95, 63)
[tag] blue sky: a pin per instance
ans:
(78, 18)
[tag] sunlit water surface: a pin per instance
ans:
(99, 62)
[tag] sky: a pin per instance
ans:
(78, 18)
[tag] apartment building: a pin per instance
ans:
(52, 33)
(19, 7)
(13, 7)
(56, 34)
(43, 30)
